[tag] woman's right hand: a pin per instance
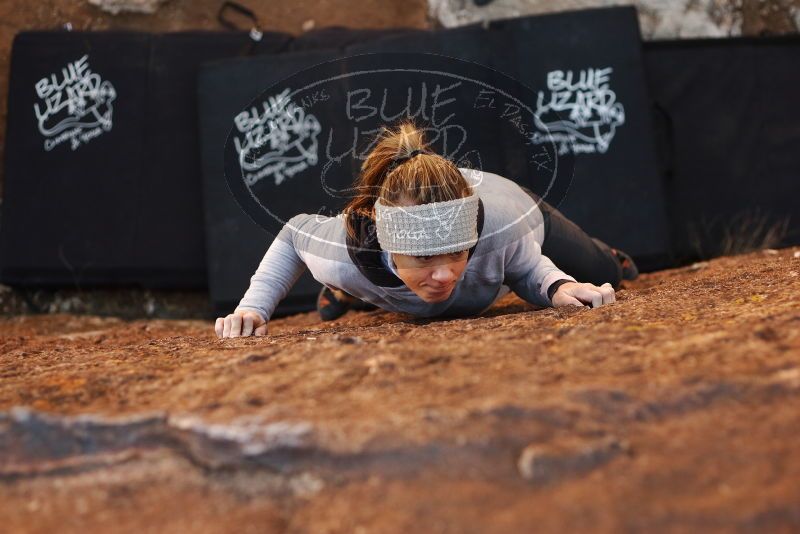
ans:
(241, 323)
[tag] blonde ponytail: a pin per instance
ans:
(400, 170)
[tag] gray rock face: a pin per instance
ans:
(550, 463)
(128, 6)
(658, 19)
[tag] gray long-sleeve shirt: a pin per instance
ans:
(507, 256)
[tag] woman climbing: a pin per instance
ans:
(424, 237)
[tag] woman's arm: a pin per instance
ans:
(535, 278)
(276, 274)
(278, 271)
(529, 273)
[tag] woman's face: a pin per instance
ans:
(432, 278)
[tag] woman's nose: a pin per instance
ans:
(443, 274)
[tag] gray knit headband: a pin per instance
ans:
(428, 229)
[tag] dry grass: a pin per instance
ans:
(749, 230)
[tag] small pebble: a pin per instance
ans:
(348, 340)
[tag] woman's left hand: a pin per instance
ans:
(583, 294)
